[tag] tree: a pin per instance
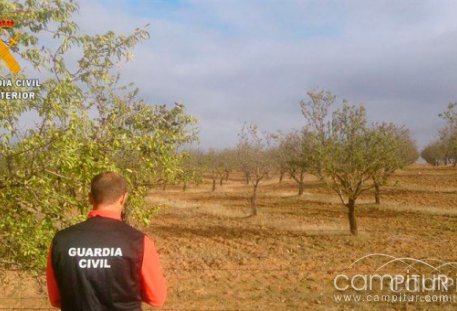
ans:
(295, 151)
(348, 152)
(227, 158)
(444, 149)
(279, 155)
(394, 150)
(85, 122)
(255, 159)
(191, 169)
(448, 135)
(434, 153)
(346, 160)
(213, 166)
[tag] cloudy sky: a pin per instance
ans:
(253, 60)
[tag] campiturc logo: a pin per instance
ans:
(5, 53)
(382, 278)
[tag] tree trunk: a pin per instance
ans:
(281, 176)
(377, 194)
(164, 186)
(247, 178)
(221, 181)
(253, 200)
(214, 185)
(301, 184)
(351, 217)
(184, 186)
(227, 174)
(301, 188)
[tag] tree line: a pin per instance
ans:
(443, 150)
(347, 154)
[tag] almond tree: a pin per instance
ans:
(395, 150)
(228, 159)
(444, 150)
(348, 152)
(434, 153)
(213, 166)
(448, 135)
(280, 156)
(191, 170)
(85, 121)
(254, 153)
(295, 150)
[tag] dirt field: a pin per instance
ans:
(216, 258)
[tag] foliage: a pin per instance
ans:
(296, 155)
(228, 157)
(85, 122)
(213, 166)
(255, 158)
(191, 168)
(394, 150)
(434, 153)
(348, 153)
(448, 135)
(443, 151)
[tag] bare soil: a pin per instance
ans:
(216, 257)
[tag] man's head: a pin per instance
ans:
(108, 190)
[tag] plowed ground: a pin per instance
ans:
(215, 257)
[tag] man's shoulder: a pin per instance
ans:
(99, 224)
(131, 229)
(71, 229)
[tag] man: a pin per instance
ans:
(103, 263)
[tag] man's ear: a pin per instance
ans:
(124, 198)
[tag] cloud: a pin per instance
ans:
(236, 61)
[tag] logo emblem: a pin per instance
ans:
(5, 53)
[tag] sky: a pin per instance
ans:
(237, 61)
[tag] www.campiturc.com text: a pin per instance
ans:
(395, 298)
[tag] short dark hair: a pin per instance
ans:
(107, 187)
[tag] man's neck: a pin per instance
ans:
(106, 213)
